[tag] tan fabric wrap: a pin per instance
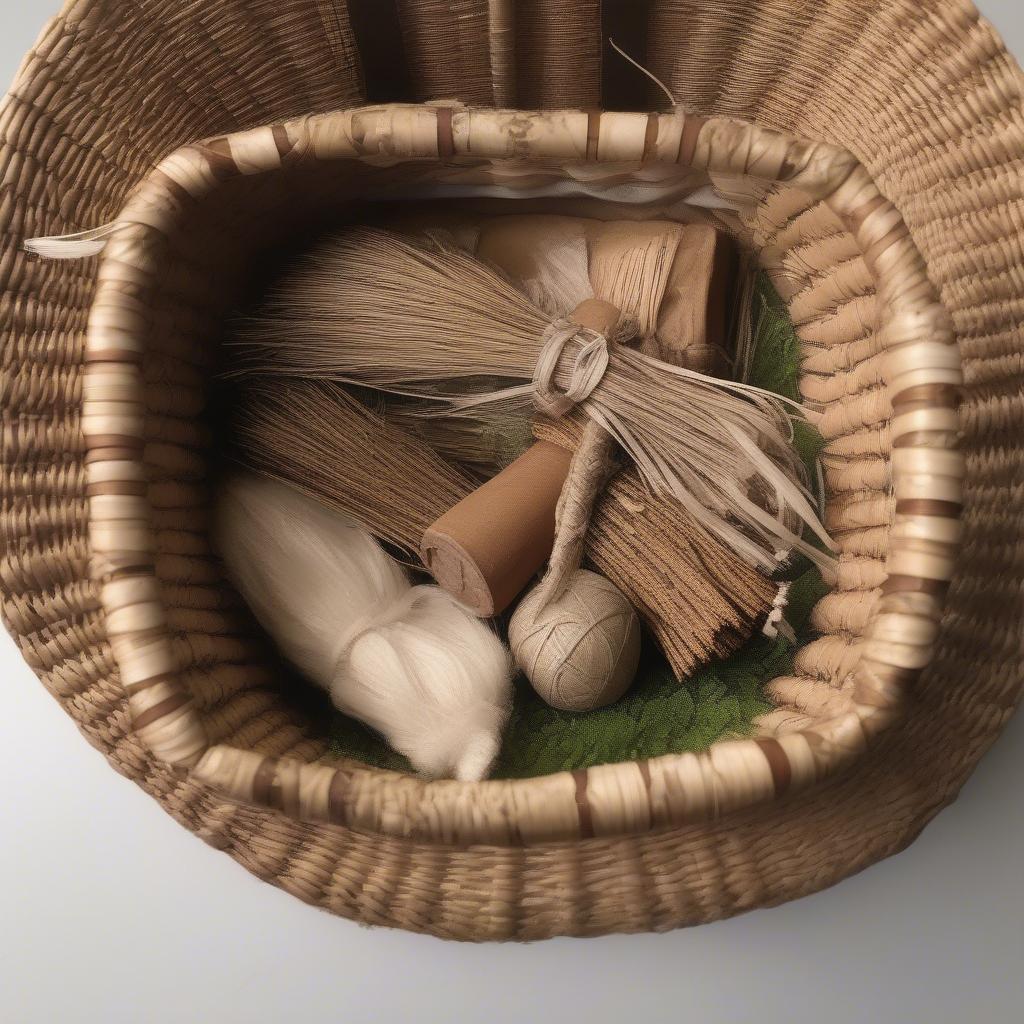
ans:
(685, 322)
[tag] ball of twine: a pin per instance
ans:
(580, 651)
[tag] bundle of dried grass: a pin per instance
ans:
(317, 437)
(674, 281)
(698, 598)
(418, 317)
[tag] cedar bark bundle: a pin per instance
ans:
(699, 600)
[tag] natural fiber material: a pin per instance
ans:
(579, 647)
(575, 635)
(397, 486)
(673, 280)
(660, 715)
(657, 716)
(692, 616)
(252, 168)
(380, 476)
(558, 53)
(926, 105)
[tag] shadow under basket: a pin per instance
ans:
(130, 605)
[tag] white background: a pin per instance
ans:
(110, 912)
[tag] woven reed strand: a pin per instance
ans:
(558, 53)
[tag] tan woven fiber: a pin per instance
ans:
(448, 48)
(929, 104)
(558, 53)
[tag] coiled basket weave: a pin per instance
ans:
(872, 152)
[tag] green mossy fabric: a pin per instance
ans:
(659, 714)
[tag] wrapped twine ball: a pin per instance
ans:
(581, 650)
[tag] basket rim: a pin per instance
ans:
(921, 371)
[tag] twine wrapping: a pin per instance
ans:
(588, 367)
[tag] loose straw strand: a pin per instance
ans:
(650, 74)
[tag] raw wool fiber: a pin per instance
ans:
(658, 715)
(408, 660)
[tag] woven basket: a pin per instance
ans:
(885, 204)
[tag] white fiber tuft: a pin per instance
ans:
(562, 277)
(409, 661)
(77, 246)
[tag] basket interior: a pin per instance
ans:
(219, 253)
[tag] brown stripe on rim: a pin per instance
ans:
(593, 133)
(928, 507)
(927, 396)
(337, 810)
(855, 218)
(147, 684)
(927, 439)
(162, 710)
(127, 572)
(644, 768)
(897, 233)
(175, 188)
(445, 134)
(220, 159)
(158, 632)
(778, 763)
(264, 784)
(282, 140)
(112, 355)
(126, 488)
(651, 135)
(583, 804)
(688, 138)
(898, 584)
